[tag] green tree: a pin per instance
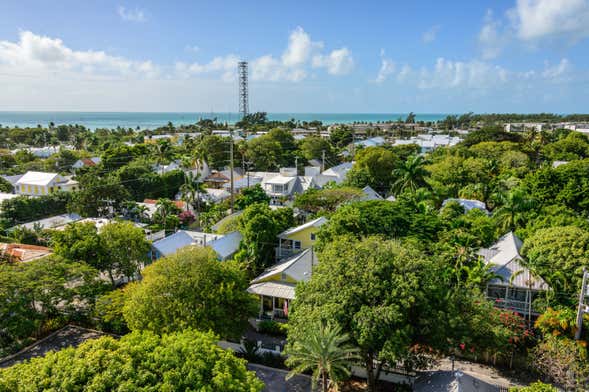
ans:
(374, 166)
(190, 289)
(251, 195)
(377, 292)
(191, 190)
(327, 199)
(98, 196)
(325, 351)
(183, 361)
(165, 213)
(259, 226)
(558, 254)
(410, 175)
(535, 387)
(33, 293)
(313, 147)
(513, 208)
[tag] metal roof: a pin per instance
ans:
(314, 223)
(298, 267)
(273, 289)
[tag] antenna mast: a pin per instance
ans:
(243, 89)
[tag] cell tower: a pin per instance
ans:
(243, 89)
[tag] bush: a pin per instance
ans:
(272, 327)
(535, 387)
(144, 361)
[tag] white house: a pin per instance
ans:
(516, 287)
(285, 184)
(335, 174)
(34, 183)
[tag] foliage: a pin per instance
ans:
(272, 327)
(34, 293)
(562, 360)
(98, 196)
(410, 175)
(188, 360)
(379, 299)
(557, 322)
(109, 312)
(259, 225)
(374, 166)
(251, 195)
(22, 209)
(326, 200)
(325, 351)
(558, 254)
(535, 387)
(190, 289)
(119, 248)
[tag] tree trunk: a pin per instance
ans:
(324, 381)
(369, 363)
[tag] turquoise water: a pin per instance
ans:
(94, 120)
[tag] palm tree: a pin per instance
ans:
(191, 190)
(325, 351)
(514, 205)
(165, 207)
(163, 151)
(410, 175)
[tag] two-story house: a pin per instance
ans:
(297, 239)
(515, 287)
(285, 185)
(276, 285)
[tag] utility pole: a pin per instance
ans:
(297, 164)
(582, 307)
(322, 161)
(231, 167)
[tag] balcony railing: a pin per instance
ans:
(283, 253)
(515, 305)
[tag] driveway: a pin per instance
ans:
(275, 379)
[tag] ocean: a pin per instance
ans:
(150, 120)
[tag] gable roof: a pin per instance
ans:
(51, 222)
(37, 178)
(370, 194)
(506, 261)
(313, 223)
(273, 289)
(298, 267)
(443, 380)
(226, 245)
(468, 204)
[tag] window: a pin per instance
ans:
(36, 190)
(296, 244)
(278, 188)
(312, 236)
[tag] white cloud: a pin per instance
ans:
(338, 62)
(431, 34)
(387, 67)
(536, 19)
(131, 15)
(491, 38)
(225, 65)
(41, 53)
(558, 71)
(300, 48)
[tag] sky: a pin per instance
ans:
(304, 56)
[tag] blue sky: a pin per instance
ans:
(354, 56)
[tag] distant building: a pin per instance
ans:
(285, 184)
(468, 204)
(87, 162)
(22, 252)
(376, 141)
(53, 222)
(34, 183)
(370, 194)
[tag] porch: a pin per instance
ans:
(275, 298)
(287, 247)
(518, 299)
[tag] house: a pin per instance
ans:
(86, 162)
(370, 194)
(162, 169)
(51, 222)
(22, 252)
(223, 245)
(213, 195)
(516, 287)
(468, 204)
(296, 239)
(285, 184)
(335, 174)
(35, 183)
(376, 141)
(276, 285)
